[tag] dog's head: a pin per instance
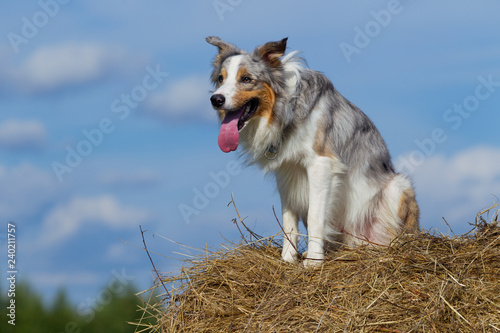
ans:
(246, 86)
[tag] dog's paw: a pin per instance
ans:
(312, 263)
(313, 259)
(290, 257)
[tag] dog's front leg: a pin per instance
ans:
(293, 188)
(326, 177)
(291, 235)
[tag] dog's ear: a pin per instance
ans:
(272, 51)
(222, 45)
(225, 50)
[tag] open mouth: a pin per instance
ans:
(233, 122)
(247, 111)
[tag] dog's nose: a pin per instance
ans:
(217, 100)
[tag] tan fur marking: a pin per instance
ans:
(221, 112)
(223, 72)
(320, 142)
(408, 211)
(266, 98)
(267, 103)
(241, 73)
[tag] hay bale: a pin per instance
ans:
(422, 283)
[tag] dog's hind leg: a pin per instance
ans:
(408, 211)
(397, 211)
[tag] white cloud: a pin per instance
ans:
(185, 98)
(53, 66)
(24, 190)
(458, 187)
(65, 220)
(57, 66)
(22, 134)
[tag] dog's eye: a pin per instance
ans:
(246, 79)
(220, 79)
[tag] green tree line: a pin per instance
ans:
(112, 315)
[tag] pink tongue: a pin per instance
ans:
(228, 135)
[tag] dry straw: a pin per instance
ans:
(422, 283)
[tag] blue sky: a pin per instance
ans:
(105, 121)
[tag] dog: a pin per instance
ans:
(332, 167)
